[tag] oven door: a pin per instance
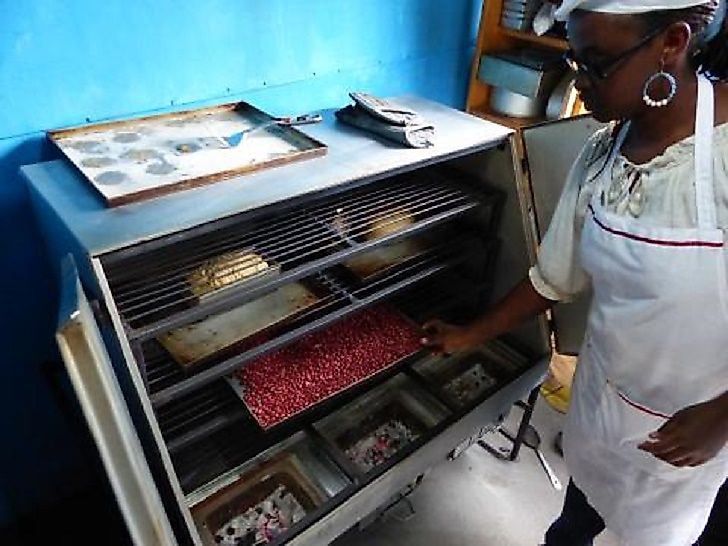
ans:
(89, 367)
(551, 150)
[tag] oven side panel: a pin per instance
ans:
(61, 242)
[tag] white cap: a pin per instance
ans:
(623, 6)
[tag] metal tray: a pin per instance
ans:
(227, 333)
(384, 259)
(140, 158)
(295, 465)
(251, 493)
(466, 378)
(398, 400)
(240, 390)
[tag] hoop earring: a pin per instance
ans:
(649, 101)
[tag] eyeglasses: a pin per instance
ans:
(604, 69)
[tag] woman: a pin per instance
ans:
(642, 221)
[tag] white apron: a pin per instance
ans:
(655, 344)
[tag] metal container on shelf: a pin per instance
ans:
(284, 486)
(519, 14)
(507, 102)
(466, 378)
(522, 78)
(373, 429)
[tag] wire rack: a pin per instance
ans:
(155, 291)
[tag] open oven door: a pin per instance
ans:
(90, 370)
(551, 150)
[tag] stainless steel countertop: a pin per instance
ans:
(352, 155)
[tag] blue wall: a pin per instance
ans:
(75, 61)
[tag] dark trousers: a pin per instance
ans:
(579, 523)
(716, 532)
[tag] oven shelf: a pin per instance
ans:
(152, 288)
(212, 408)
(347, 299)
(229, 439)
(215, 442)
(225, 447)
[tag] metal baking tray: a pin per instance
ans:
(350, 224)
(464, 379)
(384, 259)
(295, 351)
(146, 157)
(224, 334)
(380, 424)
(266, 496)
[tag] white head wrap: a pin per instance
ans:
(622, 6)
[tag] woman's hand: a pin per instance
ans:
(443, 338)
(523, 302)
(693, 436)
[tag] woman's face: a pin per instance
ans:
(596, 40)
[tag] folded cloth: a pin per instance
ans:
(386, 110)
(417, 135)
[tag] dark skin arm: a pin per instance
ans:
(521, 304)
(693, 436)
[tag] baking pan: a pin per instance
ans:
(374, 225)
(134, 159)
(301, 375)
(466, 378)
(377, 426)
(527, 71)
(224, 334)
(382, 260)
(506, 102)
(259, 507)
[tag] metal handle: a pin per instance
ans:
(549, 471)
(299, 120)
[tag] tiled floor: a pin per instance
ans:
(479, 500)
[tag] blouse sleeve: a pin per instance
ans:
(558, 275)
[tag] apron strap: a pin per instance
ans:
(704, 189)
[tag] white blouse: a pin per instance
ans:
(660, 192)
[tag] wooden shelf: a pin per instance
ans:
(493, 38)
(508, 121)
(531, 38)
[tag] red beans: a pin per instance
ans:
(294, 378)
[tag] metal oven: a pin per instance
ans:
(185, 320)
